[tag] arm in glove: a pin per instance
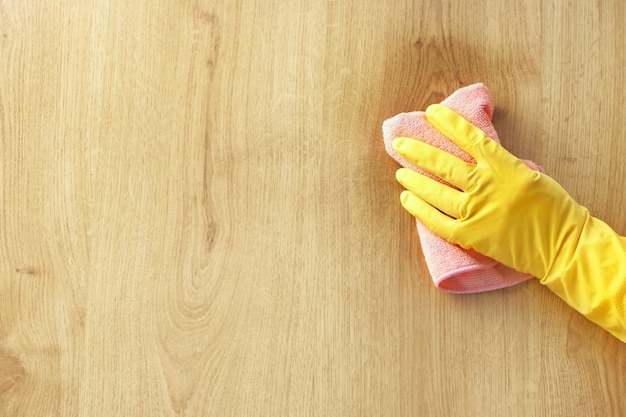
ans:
(522, 218)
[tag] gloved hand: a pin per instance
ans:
(520, 217)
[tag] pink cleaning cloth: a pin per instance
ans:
(451, 267)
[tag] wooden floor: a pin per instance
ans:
(198, 217)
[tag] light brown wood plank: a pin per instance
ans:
(198, 218)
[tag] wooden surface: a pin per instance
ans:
(198, 218)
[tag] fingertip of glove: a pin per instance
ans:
(398, 142)
(436, 114)
(405, 196)
(434, 109)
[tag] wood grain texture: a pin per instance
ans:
(198, 218)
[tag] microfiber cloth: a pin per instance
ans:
(451, 267)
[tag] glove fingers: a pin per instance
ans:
(453, 126)
(440, 196)
(439, 163)
(472, 140)
(436, 221)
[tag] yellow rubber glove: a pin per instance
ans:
(521, 218)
